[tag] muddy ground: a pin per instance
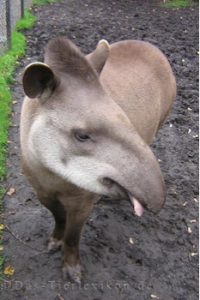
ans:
(162, 262)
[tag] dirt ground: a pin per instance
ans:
(162, 262)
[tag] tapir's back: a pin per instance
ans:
(139, 78)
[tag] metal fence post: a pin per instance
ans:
(22, 8)
(8, 24)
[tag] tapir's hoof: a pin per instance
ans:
(74, 273)
(54, 244)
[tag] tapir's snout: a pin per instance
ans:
(140, 180)
(142, 198)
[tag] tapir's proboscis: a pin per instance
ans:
(86, 125)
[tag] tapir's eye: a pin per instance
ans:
(81, 136)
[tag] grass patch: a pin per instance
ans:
(8, 63)
(1, 266)
(177, 3)
(27, 22)
(7, 67)
(43, 2)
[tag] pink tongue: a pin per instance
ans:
(138, 208)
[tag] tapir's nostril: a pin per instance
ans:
(107, 182)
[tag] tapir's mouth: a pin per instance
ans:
(138, 208)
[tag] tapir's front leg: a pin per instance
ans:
(76, 217)
(59, 213)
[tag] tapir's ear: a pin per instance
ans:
(39, 81)
(99, 56)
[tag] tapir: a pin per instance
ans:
(86, 125)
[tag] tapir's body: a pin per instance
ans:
(139, 79)
(86, 134)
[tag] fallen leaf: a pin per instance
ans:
(11, 191)
(2, 226)
(60, 297)
(131, 241)
(9, 271)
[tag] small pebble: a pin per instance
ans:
(195, 136)
(194, 254)
(154, 296)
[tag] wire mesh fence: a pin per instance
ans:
(10, 12)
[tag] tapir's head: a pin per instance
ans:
(80, 134)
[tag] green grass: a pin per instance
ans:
(1, 266)
(27, 22)
(8, 63)
(43, 2)
(177, 3)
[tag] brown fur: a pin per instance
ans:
(120, 111)
(63, 56)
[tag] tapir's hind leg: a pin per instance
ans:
(59, 213)
(76, 217)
